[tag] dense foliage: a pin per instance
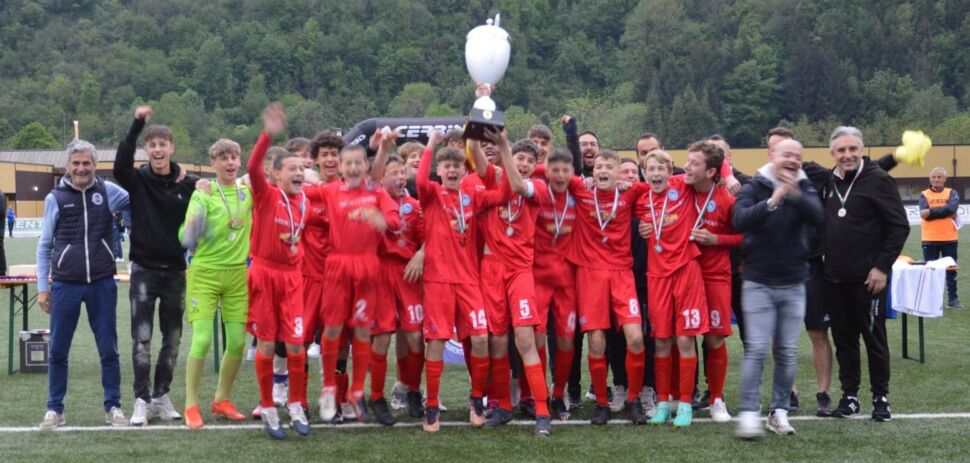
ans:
(681, 68)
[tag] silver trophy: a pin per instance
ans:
(487, 52)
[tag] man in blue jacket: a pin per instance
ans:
(74, 252)
(774, 211)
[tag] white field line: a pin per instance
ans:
(254, 426)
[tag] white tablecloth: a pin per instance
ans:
(918, 289)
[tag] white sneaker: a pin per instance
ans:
(719, 412)
(749, 426)
(115, 417)
(348, 411)
(778, 423)
(280, 394)
(648, 398)
(139, 414)
(619, 399)
(328, 404)
(163, 408)
(251, 354)
(51, 420)
(298, 420)
(313, 351)
(399, 396)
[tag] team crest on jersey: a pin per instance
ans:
(673, 195)
(242, 195)
(571, 202)
(97, 199)
(406, 209)
(711, 206)
(465, 200)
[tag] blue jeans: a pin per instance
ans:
(101, 299)
(933, 251)
(773, 318)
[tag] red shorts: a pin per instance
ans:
(312, 307)
(719, 308)
(451, 307)
(562, 302)
(602, 292)
(399, 303)
(509, 296)
(677, 304)
(275, 303)
(349, 286)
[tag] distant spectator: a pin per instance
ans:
(938, 206)
(3, 256)
(11, 218)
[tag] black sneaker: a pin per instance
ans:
(543, 427)
(848, 406)
(490, 409)
(528, 407)
(499, 417)
(793, 403)
(381, 413)
(559, 410)
(880, 409)
(601, 416)
(824, 407)
(415, 407)
(702, 403)
(636, 411)
(431, 423)
(953, 304)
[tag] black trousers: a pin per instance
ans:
(167, 287)
(854, 312)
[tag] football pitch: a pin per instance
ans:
(930, 403)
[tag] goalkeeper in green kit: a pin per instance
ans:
(217, 227)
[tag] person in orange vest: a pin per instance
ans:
(938, 206)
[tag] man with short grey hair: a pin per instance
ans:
(865, 229)
(938, 208)
(74, 253)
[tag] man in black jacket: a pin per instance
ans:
(159, 198)
(775, 212)
(865, 229)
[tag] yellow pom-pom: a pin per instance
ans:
(915, 146)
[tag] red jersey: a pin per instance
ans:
(316, 242)
(278, 217)
(715, 261)
(405, 241)
(606, 248)
(449, 248)
(509, 223)
(559, 213)
(347, 209)
(676, 247)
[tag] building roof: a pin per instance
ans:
(56, 158)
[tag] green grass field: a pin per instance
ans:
(936, 387)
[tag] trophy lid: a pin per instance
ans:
(490, 29)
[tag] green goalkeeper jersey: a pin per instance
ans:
(217, 226)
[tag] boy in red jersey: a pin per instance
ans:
(452, 298)
(274, 280)
(359, 212)
(399, 302)
(601, 253)
(714, 234)
(555, 277)
(676, 288)
(508, 286)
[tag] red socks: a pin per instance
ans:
(501, 375)
(264, 376)
(378, 373)
(597, 371)
(675, 373)
(715, 365)
(564, 366)
(662, 372)
(537, 380)
(415, 363)
(330, 349)
(479, 375)
(433, 373)
(296, 367)
(687, 367)
(361, 357)
(634, 373)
